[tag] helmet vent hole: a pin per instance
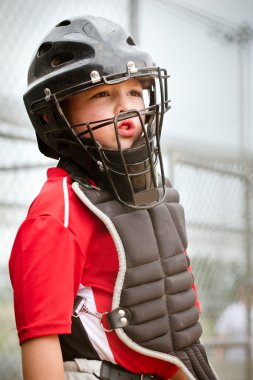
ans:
(59, 59)
(44, 48)
(63, 23)
(130, 41)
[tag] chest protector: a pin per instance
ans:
(153, 309)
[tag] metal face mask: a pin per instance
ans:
(132, 172)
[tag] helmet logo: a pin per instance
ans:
(89, 29)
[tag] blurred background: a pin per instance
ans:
(207, 47)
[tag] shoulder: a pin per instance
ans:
(58, 200)
(57, 213)
(54, 196)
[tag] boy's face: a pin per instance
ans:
(105, 102)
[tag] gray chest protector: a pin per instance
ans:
(153, 309)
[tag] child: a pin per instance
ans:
(104, 242)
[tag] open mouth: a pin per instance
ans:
(126, 128)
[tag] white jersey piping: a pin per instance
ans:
(66, 201)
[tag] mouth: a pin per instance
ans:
(126, 128)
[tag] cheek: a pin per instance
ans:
(94, 113)
(137, 103)
(105, 136)
(84, 115)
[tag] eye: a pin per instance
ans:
(101, 94)
(136, 93)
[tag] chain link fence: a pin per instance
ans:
(217, 195)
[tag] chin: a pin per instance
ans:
(126, 144)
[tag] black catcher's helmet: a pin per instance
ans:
(79, 54)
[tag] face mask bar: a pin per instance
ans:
(149, 111)
(131, 172)
(41, 106)
(141, 73)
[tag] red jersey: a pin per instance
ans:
(62, 249)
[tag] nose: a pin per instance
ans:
(121, 104)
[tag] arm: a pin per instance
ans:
(42, 359)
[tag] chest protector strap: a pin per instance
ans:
(153, 309)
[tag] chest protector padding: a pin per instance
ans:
(157, 288)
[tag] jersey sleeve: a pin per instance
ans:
(45, 269)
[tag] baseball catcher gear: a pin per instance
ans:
(83, 53)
